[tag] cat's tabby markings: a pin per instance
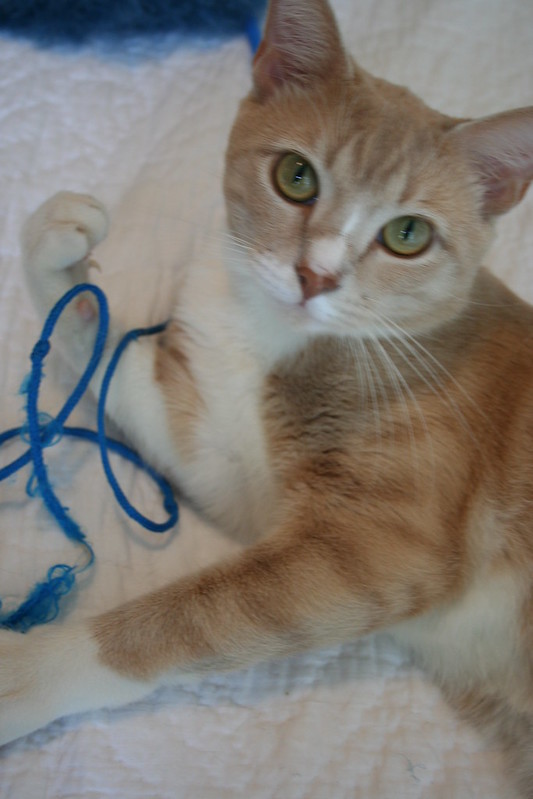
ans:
(353, 395)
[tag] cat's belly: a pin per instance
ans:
(476, 634)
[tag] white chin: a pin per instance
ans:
(318, 311)
(291, 311)
(305, 317)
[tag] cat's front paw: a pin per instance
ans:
(63, 231)
(20, 710)
(40, 672)
(57, 241)
(53, 671)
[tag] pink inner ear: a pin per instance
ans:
(268, 69)
(500, 149)
(502, 193)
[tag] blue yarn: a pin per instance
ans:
(41, 431)
(169, 502)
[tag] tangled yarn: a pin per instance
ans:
(42, 430)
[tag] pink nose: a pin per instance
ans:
(313, 284)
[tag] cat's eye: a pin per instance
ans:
(296, 179)
(406, 235)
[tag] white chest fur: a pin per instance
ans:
(226, 472)
(228, 475)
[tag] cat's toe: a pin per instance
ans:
(63, 231)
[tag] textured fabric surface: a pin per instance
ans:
(145, 132)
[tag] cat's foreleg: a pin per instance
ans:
(57, 243)
(268, 602)
(296, 590)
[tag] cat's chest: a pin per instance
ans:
(257, 420)
(254, 412)
(227, 471)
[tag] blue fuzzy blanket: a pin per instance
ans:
(80, 21)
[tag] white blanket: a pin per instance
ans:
(145, 132)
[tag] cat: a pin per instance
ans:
(352, 394)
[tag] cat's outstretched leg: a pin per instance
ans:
(57, 243)
(293, 591)
(271, 601)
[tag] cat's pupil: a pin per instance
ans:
(406, 232)
(299, 174)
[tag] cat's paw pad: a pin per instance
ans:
(63, 231)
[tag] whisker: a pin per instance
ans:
(430, 375)
(369, 383)
(408, 400)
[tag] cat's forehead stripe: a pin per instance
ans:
(353, 219)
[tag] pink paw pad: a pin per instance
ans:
(86, 309)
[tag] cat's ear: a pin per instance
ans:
(500, 149)
(301, 42)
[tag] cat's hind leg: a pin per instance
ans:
(508, 724)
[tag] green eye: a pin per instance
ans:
(406, 235)
(296, 179)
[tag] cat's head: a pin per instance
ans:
(354, 207)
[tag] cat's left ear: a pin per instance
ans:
(500, 149)
(301, 43)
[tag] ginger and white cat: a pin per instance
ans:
(353, 395)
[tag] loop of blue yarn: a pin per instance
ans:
(41, 430)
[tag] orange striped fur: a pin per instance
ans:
(372, 443)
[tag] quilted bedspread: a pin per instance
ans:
(144, 129)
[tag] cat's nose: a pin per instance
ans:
(313, 284)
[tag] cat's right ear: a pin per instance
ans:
(301, 43)
(500, 151)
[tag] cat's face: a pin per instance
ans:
(362, 191)
(354, 206)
